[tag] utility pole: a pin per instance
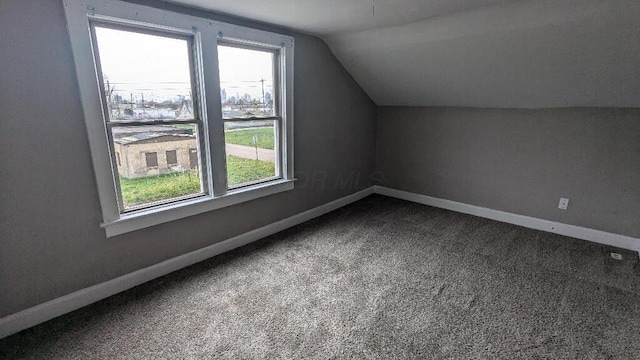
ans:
(143, 112)
(109, 91)
(255, 144)
(110, 98)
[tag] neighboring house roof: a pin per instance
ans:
(119, 132)
(151, 137)
(185, 111)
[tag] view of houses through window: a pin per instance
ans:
(155, 127)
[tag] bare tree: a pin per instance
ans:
(109, 90)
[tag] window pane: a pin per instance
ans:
(151, 159)
(157, 164)
(145, 76)
(246, 82)
(251, 152)
(172, 157)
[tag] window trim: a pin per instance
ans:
(206, 33)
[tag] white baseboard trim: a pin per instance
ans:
(597, 236)
(14, 323)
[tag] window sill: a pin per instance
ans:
(161, 214)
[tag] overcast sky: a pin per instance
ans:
(159, 66)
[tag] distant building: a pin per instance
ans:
(223, 95)
(158, 150)
(267, 97)
(185, 111)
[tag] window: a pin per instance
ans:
(251, 121)
(151, 159)
(150, 74)
(172, 158)
(216, 99)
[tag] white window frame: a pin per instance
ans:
(206, 33)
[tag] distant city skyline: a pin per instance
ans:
(157, 68)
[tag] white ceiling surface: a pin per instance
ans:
(481, 53)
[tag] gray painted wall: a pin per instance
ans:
(514, 54)
(519, 161)
(50, 241)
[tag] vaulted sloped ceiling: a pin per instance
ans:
(481, 53)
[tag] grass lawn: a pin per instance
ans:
(240, 170)
(154, 188)
(168, 186)
(245, 137)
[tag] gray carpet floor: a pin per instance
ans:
(381, 278)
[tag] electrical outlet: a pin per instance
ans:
(616, 256)
(564, 204)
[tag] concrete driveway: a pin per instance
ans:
(249, 152)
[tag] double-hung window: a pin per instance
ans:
(184, 114)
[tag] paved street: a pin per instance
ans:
(249, 152)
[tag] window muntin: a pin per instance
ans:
(148, 96)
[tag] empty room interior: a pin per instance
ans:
(363, 179)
